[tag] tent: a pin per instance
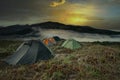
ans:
(49, 41)
(30, 52)
(71, 44)
(56, 38)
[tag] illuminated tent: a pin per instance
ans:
(71, 44)
(30, 52)
(49, 41)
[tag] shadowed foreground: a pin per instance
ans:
(94, 61)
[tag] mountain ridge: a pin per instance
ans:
(82, 29)
(26, 29)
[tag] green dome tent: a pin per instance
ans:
(30, 52)
(71, 44)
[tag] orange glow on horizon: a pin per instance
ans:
(78, 20)
(76, 15)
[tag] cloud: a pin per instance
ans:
(55, 4)
(11, 11)
(86, 16)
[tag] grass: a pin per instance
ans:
(8, 47)
(94, 61)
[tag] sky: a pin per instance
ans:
(104, 14)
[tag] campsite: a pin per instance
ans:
(59, 39)
(96, 60)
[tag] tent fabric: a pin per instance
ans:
(71, 44)
(56, 38)
(29, 53)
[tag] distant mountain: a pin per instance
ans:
(82, 29)
(28, 29)
(15, 30)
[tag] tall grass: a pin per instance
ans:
(94, 61)
(8, 47)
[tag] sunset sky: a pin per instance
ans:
(96, 13)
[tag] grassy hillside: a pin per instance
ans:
(94, 61)
(8, 47)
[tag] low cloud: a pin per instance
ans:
(55, 4)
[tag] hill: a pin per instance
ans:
(82, 29)
(96, 61)
(27, 29)
(15, 30)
